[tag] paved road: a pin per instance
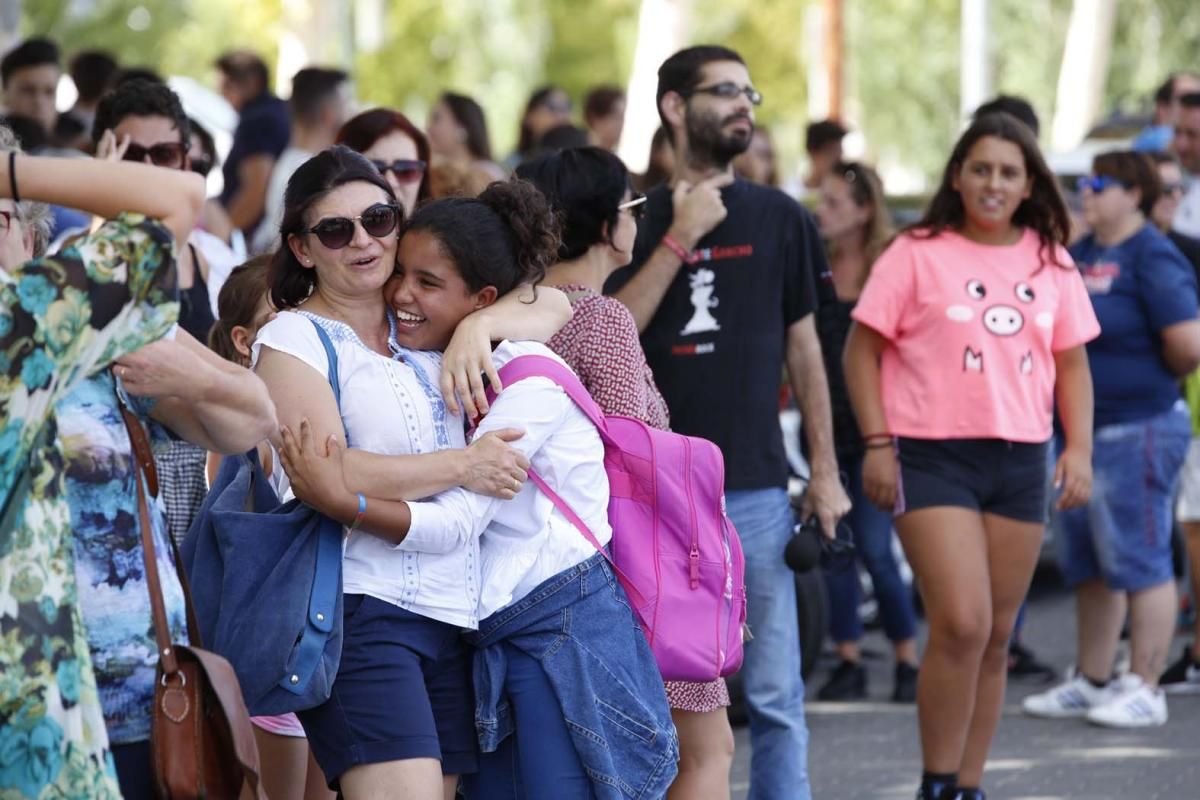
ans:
(869, 751)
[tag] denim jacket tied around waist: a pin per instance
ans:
(578, 625)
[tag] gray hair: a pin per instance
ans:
(34, 214)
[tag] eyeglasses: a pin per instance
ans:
(1172, 188)
(1098, 183)
(405, 170)
(729, 91)
(202, 166)
(163, 154)
(336, 232)
(636, 207)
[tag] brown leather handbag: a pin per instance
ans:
(201, 738)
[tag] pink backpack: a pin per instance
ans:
(674, 550)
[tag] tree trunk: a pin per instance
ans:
(662, 30)
(1084, 69)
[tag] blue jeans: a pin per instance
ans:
(1123, 534)
(539, 762)
(771, 672)
(872, 530)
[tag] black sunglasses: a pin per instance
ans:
(202, 166)
(405, 170)
(163, 154)
(378, 221)
(729, 91)
(636, 205)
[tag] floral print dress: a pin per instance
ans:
(63, 321)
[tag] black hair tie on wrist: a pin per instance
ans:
(12, 175)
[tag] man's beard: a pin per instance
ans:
(708, 145)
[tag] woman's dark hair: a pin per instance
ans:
(540, 97)
(237, 304)
(601, 102)
(364, 130)
(141, 98)
(1044, 210)
(584, 187)
(289, 282)
(1135, 171)
(469, 115)
(504, 237)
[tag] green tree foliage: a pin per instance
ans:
(901, 66)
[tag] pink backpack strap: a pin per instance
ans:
(523, 367)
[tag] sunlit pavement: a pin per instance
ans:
(861, 751)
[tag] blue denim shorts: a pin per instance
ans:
(1123, 534)
(403, 690)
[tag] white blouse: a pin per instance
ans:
(390, 406)
(525, 540)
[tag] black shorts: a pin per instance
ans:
(991, 476)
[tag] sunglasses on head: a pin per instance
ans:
(405, 170)
(635, 205)
(378, 221)
(163, 154)
(1098, 183)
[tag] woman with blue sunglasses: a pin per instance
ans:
(1116, 551)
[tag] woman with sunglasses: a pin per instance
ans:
(397, 148)
(856, 226)
(403, 614)
(568, 700)
(590, 190)
(969, 327)
(1116, 552)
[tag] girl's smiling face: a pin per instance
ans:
(428, 294)
(992, 183)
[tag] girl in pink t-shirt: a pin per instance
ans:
(970, 326)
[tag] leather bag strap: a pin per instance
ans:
(146, 471)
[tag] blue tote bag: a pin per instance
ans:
(266, 582)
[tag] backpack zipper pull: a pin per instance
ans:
(694, 566)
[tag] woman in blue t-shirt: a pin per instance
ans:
(1117, 549)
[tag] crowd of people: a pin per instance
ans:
(337, 308)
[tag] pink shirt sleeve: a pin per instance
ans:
(888, 292)
(1075, 323)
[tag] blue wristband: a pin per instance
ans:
(362, 512)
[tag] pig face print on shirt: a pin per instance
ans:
(1001, 310)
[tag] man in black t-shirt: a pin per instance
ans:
(722, 288)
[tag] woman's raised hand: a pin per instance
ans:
(494, 468)
(465, 361)
(109, 149)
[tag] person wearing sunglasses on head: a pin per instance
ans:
(1116, 552)
(319, 106)
(397, 149)
(590, 189)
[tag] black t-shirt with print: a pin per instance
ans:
(716, 344)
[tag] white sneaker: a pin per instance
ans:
(1071, 699)
(1137, 706)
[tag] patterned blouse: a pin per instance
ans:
(63, 320)
(601, 344)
